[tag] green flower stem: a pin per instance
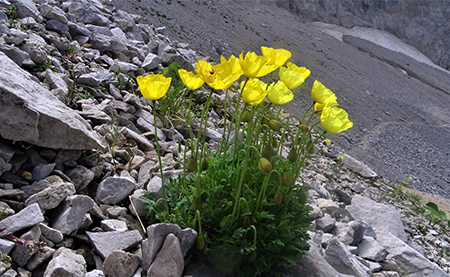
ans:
(224, 143)
(240, 178)
(199, 222)
(250, 127)
(305, 114)
(203, 119)
(262, 192)
(236, 113)
(254, 234)
(305, 151)
(158, 150)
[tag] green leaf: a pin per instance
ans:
(225, 221)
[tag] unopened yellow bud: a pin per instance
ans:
(278, 198)
(292, 156)
(201, 242)
(246, 116)
(268, 152)
(264, 166)
(287, 178)
(275, 125)
(191, 165)
(303, 127)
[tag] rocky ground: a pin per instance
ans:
(77, 153)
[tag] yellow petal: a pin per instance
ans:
(255, 66)
(275, 57)
(191, 80)
(280, 94)
(293, 76)
(205, 71)
(153, 87)
(253, 93)
(227, 72)
(321, 94)
(334, 119)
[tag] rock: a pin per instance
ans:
(57, 26)
(120, 264)
(377, 215)
(137, 206)
(87, 13)
(80, 176)
(52, 196)
(42, 171)
(112, 190)
(15, 36)
(6, 246)
(21, 253)
(370, 249)
(325, 223)
(106, 242)
(157, 233)
(151, 62)
(145, 174)
(51, 233)
(31, 113)
(359, 167)
(113, 225)
(29, 216)
(403, 258)
(95, 79)
(342, 260)
(70, 215)
(66, 263)
(40, 258)
(155, 187)
(53, 12)
(148, 127)
(95, 273)
(328, 206)
(25, 8)
(169, 260)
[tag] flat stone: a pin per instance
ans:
(33, 114)
(169, 261)
(52, 196)
(112, 190)
(29, 216)
(120, 263)
(113, 225)
(66, 263)
(358, 167)
(70, 215)
(370, 249)
(106, 242)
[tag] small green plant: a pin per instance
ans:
(398, 191)
(48, 64)
(174, 104)
(437, 216)
(85, 95)
(11, 13)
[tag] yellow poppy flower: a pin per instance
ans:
(153, 87)
(320, 94)
(255, 66)
(254, 91)
(191, 80)
(275, 56)
(293, 76)
(334, 119)
(279, 93)
(228, 71)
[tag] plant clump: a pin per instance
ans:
(243, 199)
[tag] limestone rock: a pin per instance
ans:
(70, 215)
(106, 242)
(66, 263)
(27, 217)
(120, 264)
(169, 261)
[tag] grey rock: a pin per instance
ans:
(370, 249)
(41, 185)
(80, 176)
(95, 79)
(9, 273)
(70, 215)
(169, 260)
(312, 264)
(66, 263)
(88, 14)
(113, 225)
(157, 233)
(52, 196)
(42, 171)
(137, 206)
(39, 258)
(148, 127)
(403, 258)
(51, 233)
(359, 229)
(6, 246)
(213, 134)
(343, 196)
(6, 153)
(338, 256)
(36, 49)
(145, 174)
(15, 36)
(25, 8)
(358, 167)
(325, 223)
(132, 99)
(57, 26)
(106, 242)
(151, 62)
(344, 233)
(21, 254)
(377, 215)
(93, 113)
(57, 80)
(141, 141)
(119, 105)
(95, 273)
(120, 264)
(31, 113)
(16, 55)
(124, 67)
(4, 167)
(112, 190)
(328, 206)
(155, 187)
(29, 216)
(53, 12)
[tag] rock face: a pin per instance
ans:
(423, 24)
(31, 113)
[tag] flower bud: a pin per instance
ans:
(247, 221)
(275, 125)
(191, 165)
(268, 152)
(204, 164)
(265, 121)
(278, 198)
(252, 256)
(245, 116)
(264, 166)
(303, 127)
(201, 242)
(287, 178)
(292, 156)
(197, 204)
